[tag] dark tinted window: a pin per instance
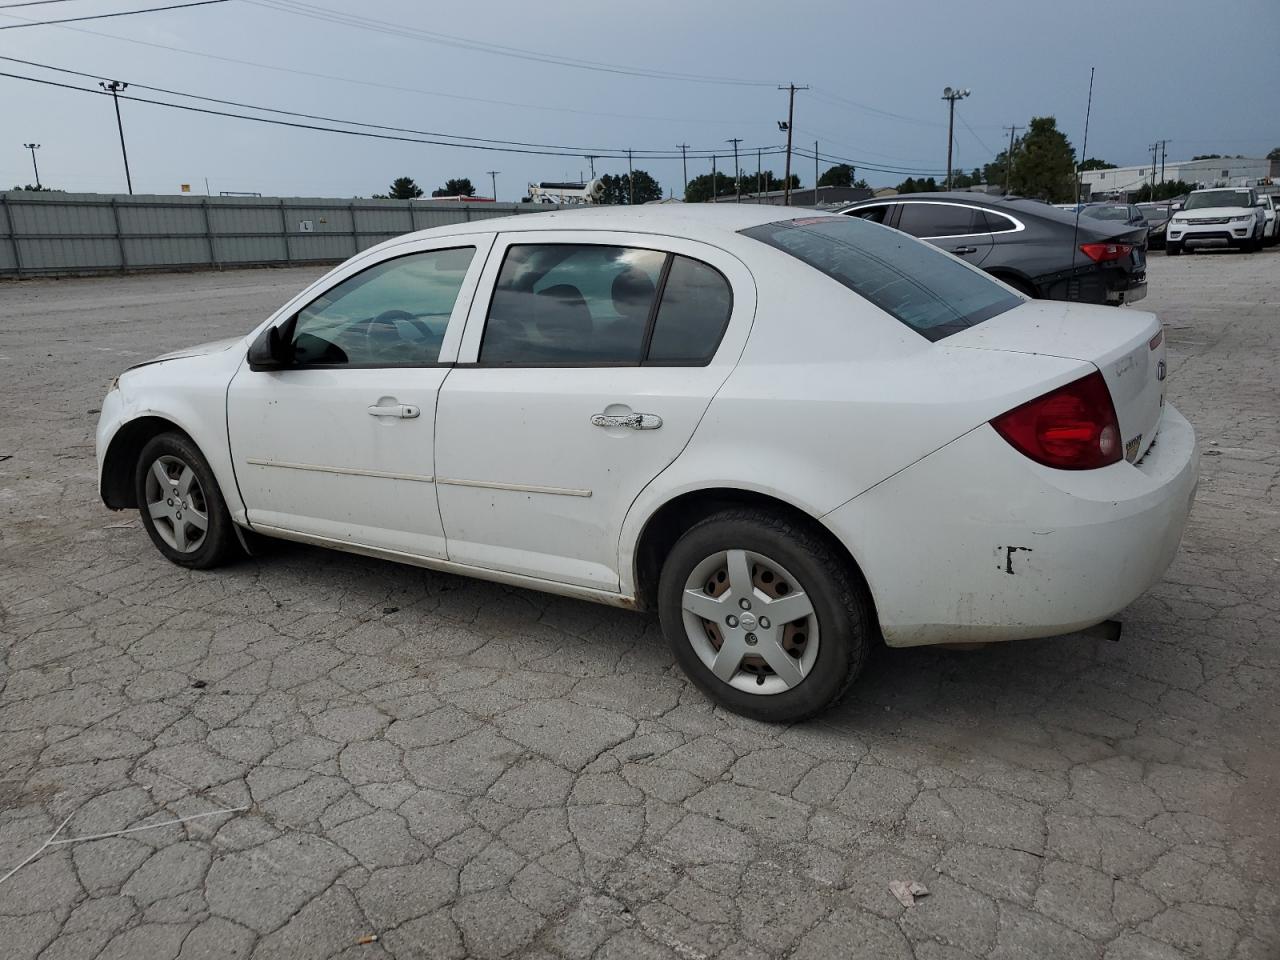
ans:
(571, 303)
(926, 289)
(940, 220)
(998, 222)
(1108, 212)
(394, 313)
(695, 310)
(875, 214)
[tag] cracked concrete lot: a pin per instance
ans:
(467, 770)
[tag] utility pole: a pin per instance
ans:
(791, 89)
(1008, 159)
(951, 96)
(713, 178)
(114, 87)
(737, 171)
(631, 181)
(1155, 149)
(591, 159)
(493, 178)
(759, 177)
(815, 173)
(33, 147)
(1164, 153)
(684, 164)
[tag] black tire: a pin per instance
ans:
(218, 544)
(1021, 286)
(1172, 249)
(845, 619)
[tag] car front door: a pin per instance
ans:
(339, 444)
(954, 227)
(588, 360)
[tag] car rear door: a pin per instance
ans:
(588, 360)
(339, 445)
(957, 228)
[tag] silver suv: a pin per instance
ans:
(1233, 216)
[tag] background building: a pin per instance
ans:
(1215, 172)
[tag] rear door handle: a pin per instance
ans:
(964, 250)
(405, 411)
(633, 421)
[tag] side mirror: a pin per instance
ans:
(273, 348)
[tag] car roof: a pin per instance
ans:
(695, 221)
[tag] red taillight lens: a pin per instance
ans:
(1102, 252)
(1071, 428)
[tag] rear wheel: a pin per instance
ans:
(181, 505)
(1021, 286)
(1172, 249)
(764, 615)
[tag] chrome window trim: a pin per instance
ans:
(1018, 225)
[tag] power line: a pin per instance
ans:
(30, 3)
(615, 152)
(620, 154)
(104, 16)
(390, 86)
(400, 30)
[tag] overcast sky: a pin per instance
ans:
(1165, 70)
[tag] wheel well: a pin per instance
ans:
(121, 459)
(1015, 280)
(676, 516)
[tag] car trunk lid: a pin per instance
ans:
(1127, 346)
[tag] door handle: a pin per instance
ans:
(963, 250)
(632, 421)
(405, 411)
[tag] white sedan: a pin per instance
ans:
(791, 436)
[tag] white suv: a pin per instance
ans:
(1233, 215)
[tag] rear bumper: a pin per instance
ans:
(1096, 283)
(976, 543)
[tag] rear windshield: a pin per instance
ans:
(932, 293)
(1107, 213)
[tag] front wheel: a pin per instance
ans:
(1172, 249)
(181, 505)
(764, 615)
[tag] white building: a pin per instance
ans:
(1218, 172)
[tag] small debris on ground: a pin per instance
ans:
(390, 609)
(907, 892)
(198, 684)
(5, 456)
(366, 939)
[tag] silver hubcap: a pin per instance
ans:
(177, 505)
(750, 622)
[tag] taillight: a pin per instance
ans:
(1071, 428)
(1103, 252)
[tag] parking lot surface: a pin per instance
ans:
(464, 769)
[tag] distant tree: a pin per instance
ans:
(402, 188)
(1164, 191)
(761, 182)
(1208, 156)
(700, 191)
(37, 189)
(1093, 163)
(911, 185)
(960, 180)
(454, 188)
(618, 190)
(1274, 154)
(1044, 163)
(841, 175)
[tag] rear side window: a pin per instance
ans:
(930, 292)
(998, 222)
(940, 220)
(600, 305)
(695, 308)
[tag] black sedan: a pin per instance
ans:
(1038, 249)
(1157, 216)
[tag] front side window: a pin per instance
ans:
(392, 314)
(940, 220)
(595, 304)
(929, 291)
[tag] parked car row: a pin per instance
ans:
(1037, 249)
(1234, 216)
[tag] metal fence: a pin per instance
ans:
(43, 234)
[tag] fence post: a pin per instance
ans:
(124, 257)
(13, 234)
(284, 226)
(355, 235)
(208, 233)
(466, 211)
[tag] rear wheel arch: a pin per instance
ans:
(1018, 281)
(670, 520)
(121, 458)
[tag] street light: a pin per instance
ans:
(33, 147)
(114, 87)
(951, 96)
